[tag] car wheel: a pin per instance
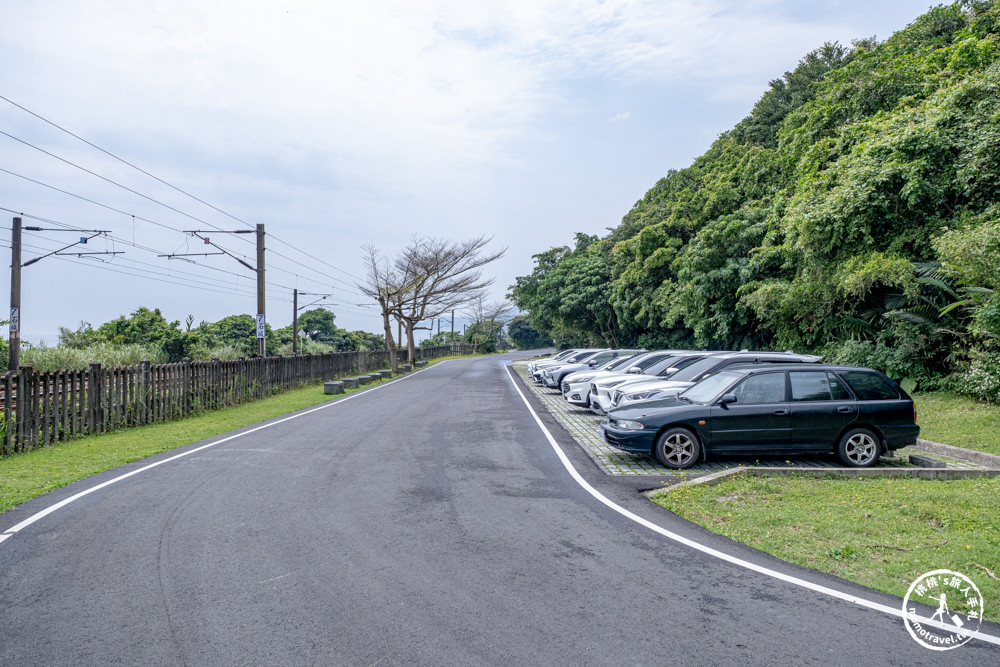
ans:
(858, 448)
(677, 448)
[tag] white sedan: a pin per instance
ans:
(576, 386)
(602, 390)
(575, 356)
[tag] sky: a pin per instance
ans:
(342, 125)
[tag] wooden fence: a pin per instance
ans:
(41, 408)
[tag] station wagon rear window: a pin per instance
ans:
(868, 386)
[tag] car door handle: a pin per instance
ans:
(781, 412)
(845, 409)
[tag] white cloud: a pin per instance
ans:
(379, 118)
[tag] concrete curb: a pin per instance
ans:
(844, 473)
(979, 458)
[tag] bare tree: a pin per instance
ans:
(440, 276)
(487, 319)
(429, 278)
(387, 289)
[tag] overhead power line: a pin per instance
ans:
(163, 225)
(169, 185)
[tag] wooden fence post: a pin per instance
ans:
(95, 399)
(8, 413)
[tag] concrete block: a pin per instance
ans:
(334, 387)
(405, 368)
(364, 379)
(385, 374)
(926, 462)
(350, 383)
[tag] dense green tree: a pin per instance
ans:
(318, 324)
(143, 326)
(525, 336)
(811, 223)
(568, 294)
(238, 332)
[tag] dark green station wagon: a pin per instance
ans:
(857, 413)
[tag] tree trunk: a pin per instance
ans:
(411, 345)
(389, 342)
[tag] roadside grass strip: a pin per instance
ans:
(584, 426)
(878, 531)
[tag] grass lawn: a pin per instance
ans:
(959, 421)
(879, 532)
(26, 475)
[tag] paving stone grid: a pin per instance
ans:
(584, 426)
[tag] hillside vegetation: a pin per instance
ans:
(854, 212)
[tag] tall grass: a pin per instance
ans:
(43, 358)
(306, 346)
(222, 352)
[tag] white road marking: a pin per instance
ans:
(847, 597)
(63, 503)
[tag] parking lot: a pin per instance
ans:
(584, 426)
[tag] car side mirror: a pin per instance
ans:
(635, 370)
(727, 399)
(592, 363)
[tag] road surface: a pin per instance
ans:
(426, 521)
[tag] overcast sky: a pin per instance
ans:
(339, 124)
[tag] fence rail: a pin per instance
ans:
(42, 408)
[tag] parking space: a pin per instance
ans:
(584, 426)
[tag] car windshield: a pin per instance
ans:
(617, 364)
(696, 370)
(648, 361)
(676, 365)
(710, 388)
(663, 364)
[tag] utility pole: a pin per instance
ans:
(14, 358)
(295, 314)
(259, 270)
(261, 318)
(295, 321)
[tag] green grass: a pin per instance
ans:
(880, 532)
(26, 475)
(959, 421)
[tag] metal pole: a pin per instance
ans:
(14, 358)
(295, 321)
(261, 342)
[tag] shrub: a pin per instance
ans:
(981, 380)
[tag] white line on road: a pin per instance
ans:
(840, 595)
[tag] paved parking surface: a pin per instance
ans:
(584, 426)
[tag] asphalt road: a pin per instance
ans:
(426, 521)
